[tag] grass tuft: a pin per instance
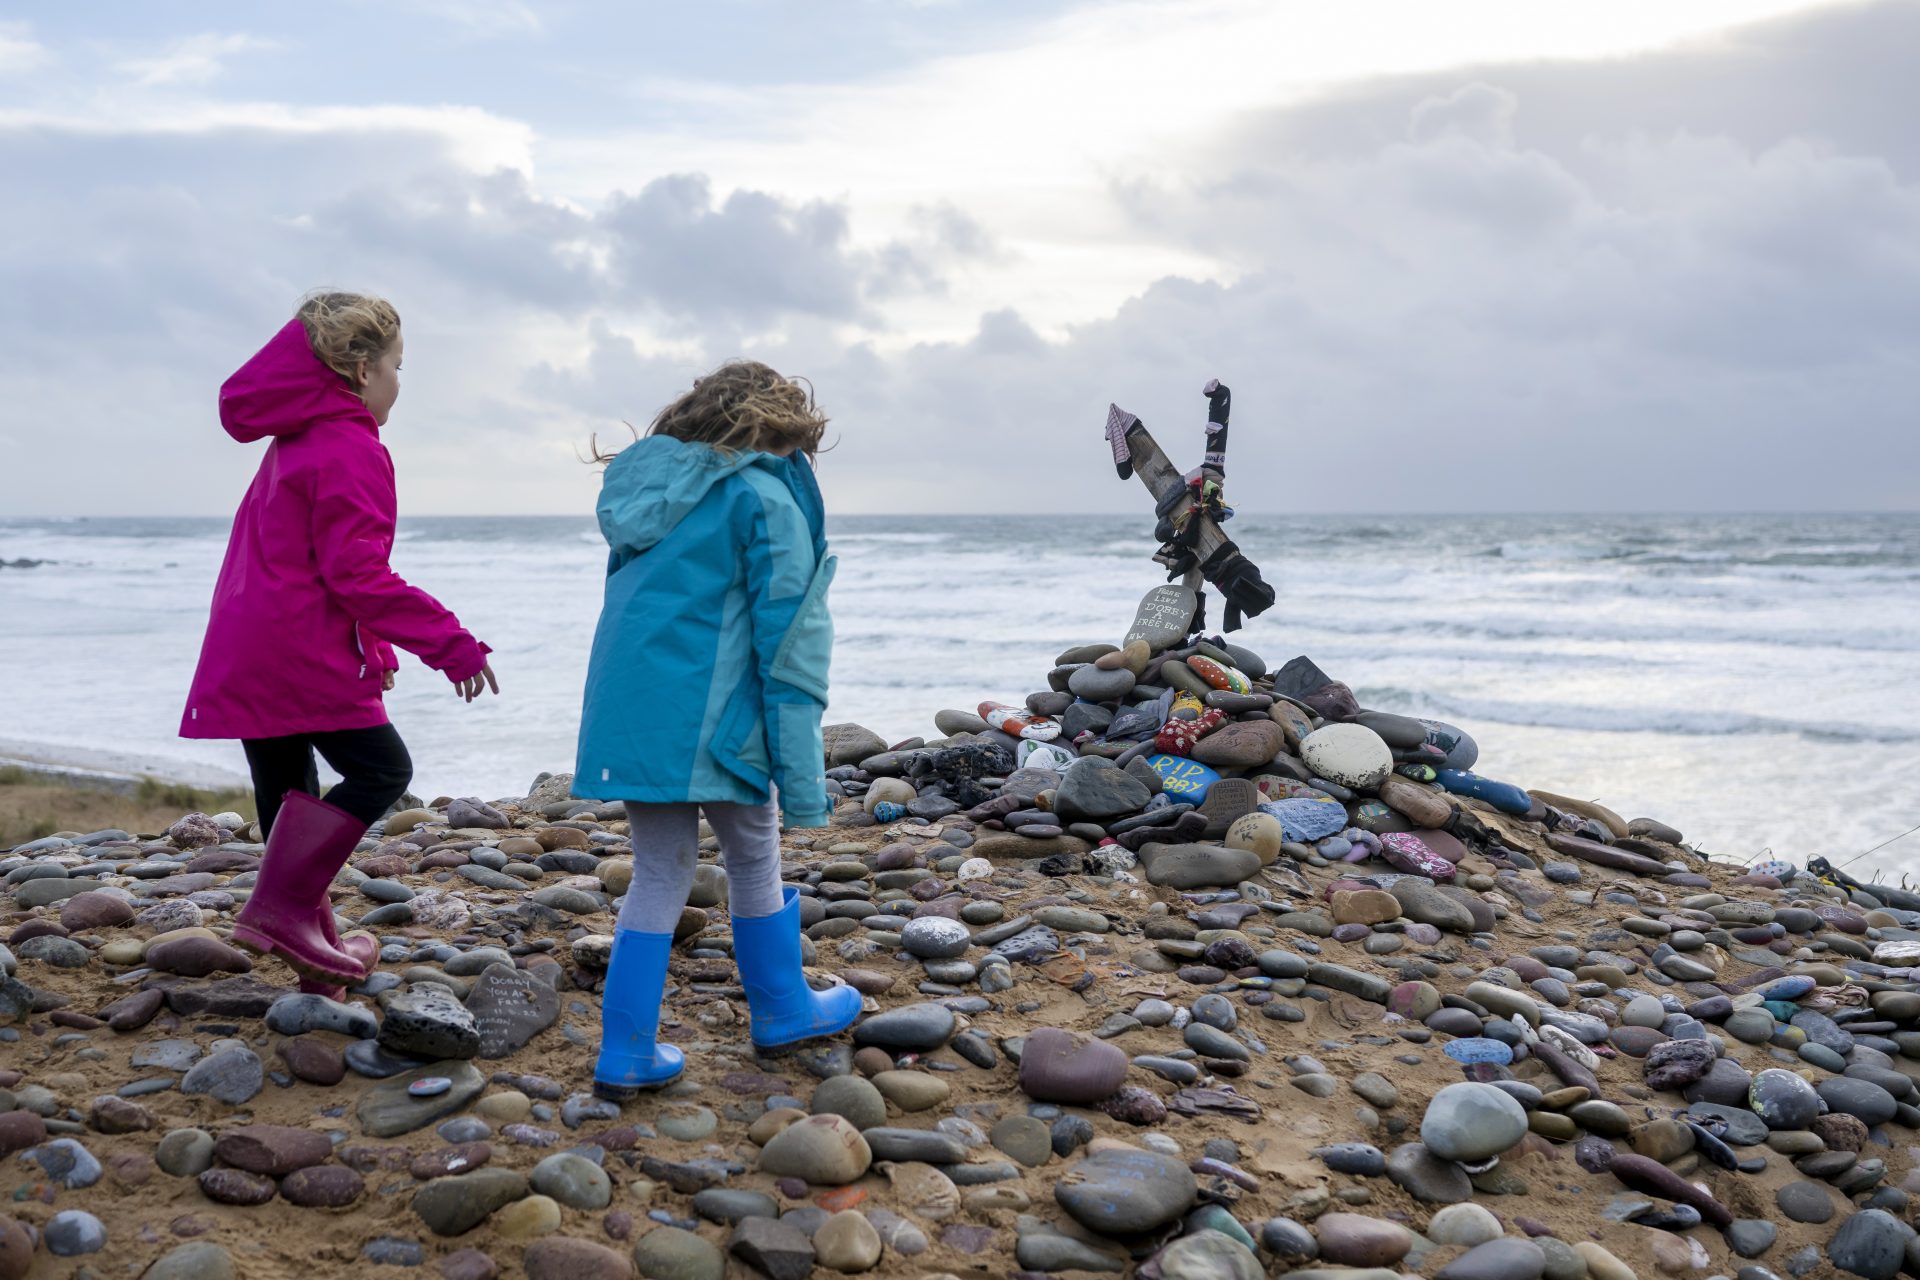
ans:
(33, 805)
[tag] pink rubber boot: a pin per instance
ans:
(284, 916)
(363, 948)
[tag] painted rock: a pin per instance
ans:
(1307, 820)
(1044, 755)
(1164, 618)
(1791, 987)
(1472, 1049)
(1349, 754)
(1274, 787)
(1259, 833)
(1019, 722)
(1185, 779)
(1410, 854)
(1219, 675)
(1503, 796)
(888, 811)
(1779, 870)
(1377, 819)
(1461, 750)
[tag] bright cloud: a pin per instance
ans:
(194, 60)
(19, 51)
(1496, 255)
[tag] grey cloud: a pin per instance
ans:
(1842, 73)
(1674, 281)
(747, 260)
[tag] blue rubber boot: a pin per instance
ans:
(784, 1009)
(630, 1059)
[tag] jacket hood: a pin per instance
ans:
(657, 481)
(284, 389)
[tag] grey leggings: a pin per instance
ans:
(666, 848)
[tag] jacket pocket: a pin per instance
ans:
(806, 651)
(739, 742)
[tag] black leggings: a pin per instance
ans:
(372, 763)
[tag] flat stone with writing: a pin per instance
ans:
(1164, 616)
(510, 1007)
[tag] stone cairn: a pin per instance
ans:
(1228, 978)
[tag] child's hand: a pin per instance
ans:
(386, 681)
(470, 689)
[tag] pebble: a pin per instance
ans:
(563, 1258)
(195, 1260)
(232, 1076)
(671, 1253)
(854, 1098)
(1872, 1243)
(1063, 1066)
(1504, 1259)
(454, 1205)
(1643, 987)
(1126, 1192)
(428, 1022)
(847, 1242)
(1471, 1122)
(912, 1028)
(67, 1163)
(73, 1232)
(323, 1186)
(275, 1150)
(822, 1150)
(184, 1153)
(390, 1109)
(1354, 1240)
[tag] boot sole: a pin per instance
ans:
(628, 1092)
(262, 946)
(779, 1048)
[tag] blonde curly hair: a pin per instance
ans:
(742, 405)
(346, 329)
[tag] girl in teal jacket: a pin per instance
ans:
(704, 694)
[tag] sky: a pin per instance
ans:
(1488, 255)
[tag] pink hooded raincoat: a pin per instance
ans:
(306, 602)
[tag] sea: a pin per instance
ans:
(1751, 680)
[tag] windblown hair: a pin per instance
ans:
(347, 328)
(743, 405)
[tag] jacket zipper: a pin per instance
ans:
(361, 646)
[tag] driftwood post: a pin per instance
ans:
(1169, 614)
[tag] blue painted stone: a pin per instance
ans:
(1503, 796)
(1307, 820)
(1181, 777)
(888, 811)
(1779, 870)
(1790, 988)
(1476, 1049)
(429, 1086)
(1781, 1010)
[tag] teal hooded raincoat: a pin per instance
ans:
(709, 669)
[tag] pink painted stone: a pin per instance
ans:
(1409, 853)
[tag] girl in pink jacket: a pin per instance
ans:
(306, 612)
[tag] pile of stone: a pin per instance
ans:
(1213, 973)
